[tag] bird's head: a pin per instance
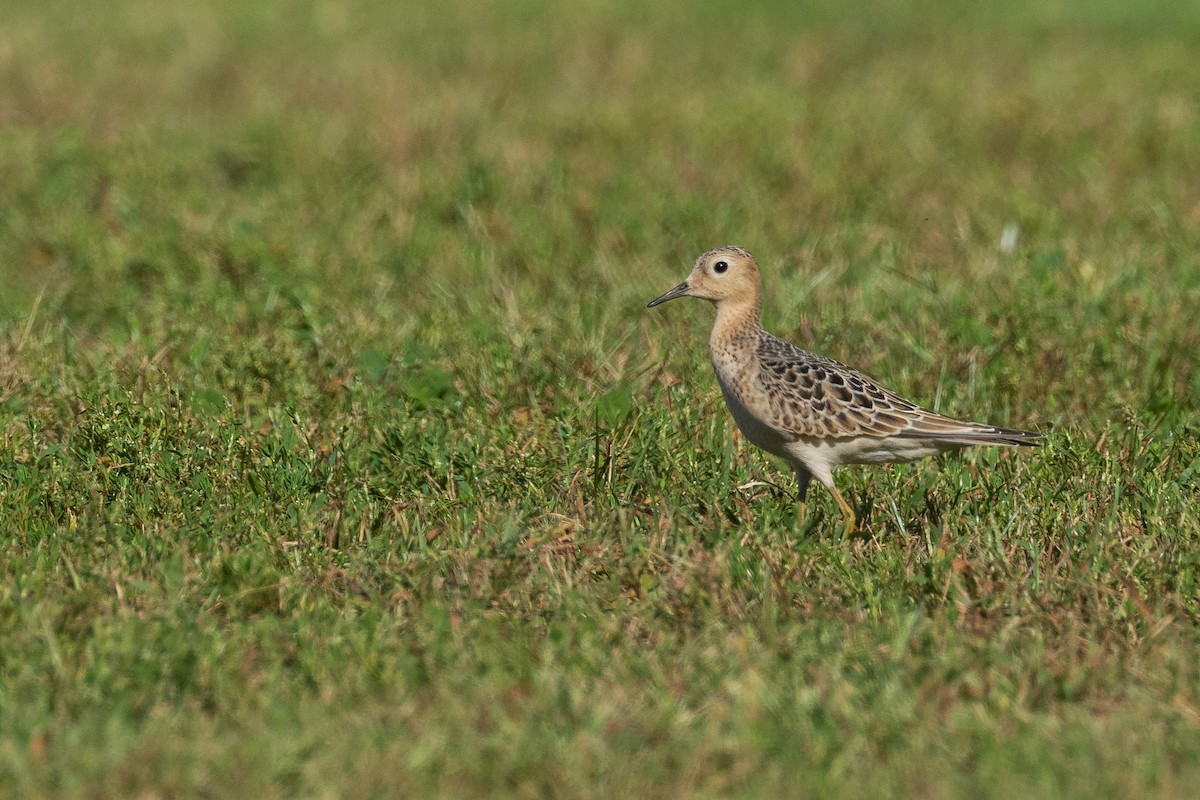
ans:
(727, 274)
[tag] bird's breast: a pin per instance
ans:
(735, 374)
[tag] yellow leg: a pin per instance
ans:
(801, 513)
(851, 520)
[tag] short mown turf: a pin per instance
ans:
(339, 456)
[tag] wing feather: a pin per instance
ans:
(810, 395)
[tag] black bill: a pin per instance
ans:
(678, 291)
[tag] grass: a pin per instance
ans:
(340, 458)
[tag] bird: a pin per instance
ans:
(813, 412)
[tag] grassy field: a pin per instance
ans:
(339, 456)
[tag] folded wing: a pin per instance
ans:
(810, 395)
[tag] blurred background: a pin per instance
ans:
(403, 165)
(157, 151)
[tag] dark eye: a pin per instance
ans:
(720, 267)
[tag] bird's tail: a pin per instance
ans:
(953, 432)
(1004, 437)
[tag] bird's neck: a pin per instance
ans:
(737, 323)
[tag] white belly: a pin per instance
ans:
(863, 450)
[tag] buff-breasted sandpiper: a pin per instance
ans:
(809, 410)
